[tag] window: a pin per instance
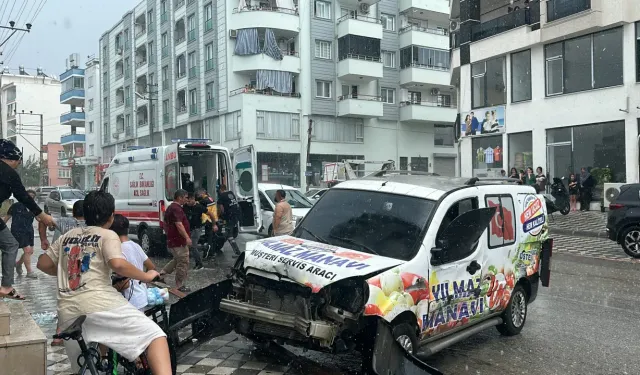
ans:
(193, 102)
(461, 207)
(61, 154)
(357, 46)
(388, 95)
(105, 106)
(150, 20)
(193, 70)
(126, 39)
(191, 22)
(64, 173)
(163, 11)
(323, 49)
(90, 81)
(181, 66)
(127, 100)
(265, 204)
(502, 228)
(521, 76)
(208, 17)
(165, 111)
(422, 57)
(488, 83)
(443, 135)
(277, 125)
(127, 68)
(165, 77)
(584, 63)
(90, 126)
(232, 126)
(343, 130)
(127, 121)
(389, 59)
(91, 150)
(165, 44)
(637, 51)
(323, 9)
(171, 179)
(152, 53)
(209, 57)
(388, 22)
(209, 93)
(323, 89)
(90, 104)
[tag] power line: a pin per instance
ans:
(2, 33)
(15, 49)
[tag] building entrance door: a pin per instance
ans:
(560, 160)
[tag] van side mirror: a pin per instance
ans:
(459, 238)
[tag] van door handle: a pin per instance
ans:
(473, 267)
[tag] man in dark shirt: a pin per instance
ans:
(194, 212)
(22, 230)
(231, 215)
(10, 183)
(176, 225)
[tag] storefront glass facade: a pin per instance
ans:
(279, 168)
(487, 156)
(520, 151)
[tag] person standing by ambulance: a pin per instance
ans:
(178, 240)
(231, 215)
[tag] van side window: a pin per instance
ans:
(502, 230)
(456, 210)
(264, 203)
(105, 185)
(171, 180)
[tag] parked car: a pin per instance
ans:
(42, 193)
(300, 205)
(623, 219)
(315, 193)
(61, 200)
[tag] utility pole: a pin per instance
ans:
(40, 148)
(308, 170)
(151, 99)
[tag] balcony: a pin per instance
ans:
(359, 68)
(424, 36)
(359, 25)
(435, 10)
(427, 112)
(363, 106)
(263, 100)
(420, 74)
(265, 17)
(73, 97)
(354, 4)
(561, 9)
(70, 73)
(72, 138)
(250, 63)
(507, 22)
(72, 118)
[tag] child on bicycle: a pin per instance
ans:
(136, 293)
(82, 259)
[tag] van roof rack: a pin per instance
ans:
(382, 172)
(489, 180)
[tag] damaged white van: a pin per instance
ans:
(144, 181)
(437, 258)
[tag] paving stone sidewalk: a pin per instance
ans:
(580, 224)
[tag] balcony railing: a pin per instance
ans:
(560, 9)
(193, 109)
(179, 3)
(358, 17)
(119, 75)
(181, 74)
(266, 8)
(526, 16)
(69, 116)
(371, 98)
(430, 30)
(210, 104)
(182, 109)
(192, 35)
(209, 64)
(427, 103)
(208, 25)
(72, 138)
(141, 63)
(252, 90)
(424, 66)
(359, 57)
(180, 39)
(143, 122)
(141, 32)
(120, 103)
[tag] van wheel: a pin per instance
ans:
(631, 241)
(405, 335)
(515, 315)
(145, 241)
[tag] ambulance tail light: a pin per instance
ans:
(162, 208)
(545, 262)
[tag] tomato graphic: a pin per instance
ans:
(510, 278)
(371, 309)
(375, 281)
(352, 255)
(506, 297)
(416, 285)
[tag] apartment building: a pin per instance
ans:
(81, 94)
(370, 77)
(26, 97)
(550, 83)
(55, 173)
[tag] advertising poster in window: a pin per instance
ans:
(483, 121)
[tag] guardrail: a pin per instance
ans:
(358, 17)
(427, 103)
(251, 90)
(425, 66)
(429, 30)
(557, 10)
(261, 8)
(372, 98)
(359, 57)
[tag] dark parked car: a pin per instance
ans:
(623, 219)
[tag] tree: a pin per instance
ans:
(31, 172)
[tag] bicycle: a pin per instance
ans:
(91, 359)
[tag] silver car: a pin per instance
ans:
(61, 200)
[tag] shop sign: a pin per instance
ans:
(483, 121)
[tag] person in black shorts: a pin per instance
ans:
(22, 230)
(231, 215)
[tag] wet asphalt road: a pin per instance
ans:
(586, 322)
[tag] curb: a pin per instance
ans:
(579, 233)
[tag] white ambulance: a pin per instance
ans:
(144, 181)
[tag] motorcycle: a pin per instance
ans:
(558, 200)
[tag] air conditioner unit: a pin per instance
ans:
(611, 192)
(435, 92)
(233, 34)
(454, 26)
(364, 8)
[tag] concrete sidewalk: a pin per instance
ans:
(579, 224)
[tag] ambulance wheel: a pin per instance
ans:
(515, 315)
(145, 241)
(405, 335)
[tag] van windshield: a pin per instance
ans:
(389, 225)
(72, 194)
(294, 198)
